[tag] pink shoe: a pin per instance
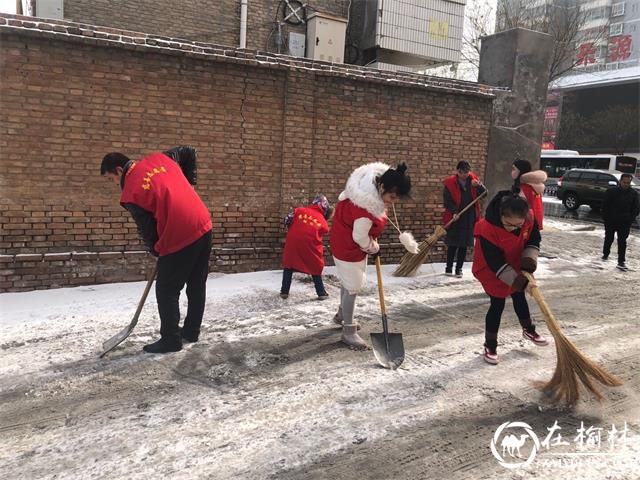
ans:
(535, 338)
(490, 356)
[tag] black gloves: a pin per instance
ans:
(520, 283)
(528, 264)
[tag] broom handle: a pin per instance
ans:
(466, 208)
(380, 290)
(537, 294)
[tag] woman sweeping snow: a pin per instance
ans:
(507, 243)
(303, 248)
(359, 220)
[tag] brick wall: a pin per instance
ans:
(271, 132)
(213, 21)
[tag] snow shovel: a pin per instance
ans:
(387, 347)
(121, 336)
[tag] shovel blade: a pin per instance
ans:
(393, 356)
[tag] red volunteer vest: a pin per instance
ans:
(453, 186)
(343, 247)
(511, 246)
(157, 185)
(534, 199)
(303, 249)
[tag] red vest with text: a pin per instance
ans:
(511, 246)
(534, 199)
(303, 249)
(453, 186)
(157, 185)
(343, 247)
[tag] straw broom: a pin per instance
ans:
(410, 263)
(571, 364)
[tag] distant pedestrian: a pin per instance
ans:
(620, 208)
(303, 248)
(460, 190)
(530, 183)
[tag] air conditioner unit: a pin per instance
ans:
(408, 32)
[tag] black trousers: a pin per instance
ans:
(459, 253)
(287, 275)
(622, 232)
(494, 315)
(188, 266)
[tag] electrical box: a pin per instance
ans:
(296, 44)
(50, 9)
(325, 37)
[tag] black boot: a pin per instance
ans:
(162, 346)
(189, 337)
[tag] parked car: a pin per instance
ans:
(582, 186)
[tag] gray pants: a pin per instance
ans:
(347, 305)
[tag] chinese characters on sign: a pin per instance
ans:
(586, 54)
(620, 48)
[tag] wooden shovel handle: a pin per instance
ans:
(380, 289)
(147, 288)
(467, 208)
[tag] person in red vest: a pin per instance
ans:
(175, 225)
(507, 243)
(359, 220)
(531, 185)
(460, 190)
(303, 248)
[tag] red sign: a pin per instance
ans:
(620, 47)
(586, 54)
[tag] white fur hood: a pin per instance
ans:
(536, 179)
(361, 188)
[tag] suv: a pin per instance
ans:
(581, 186)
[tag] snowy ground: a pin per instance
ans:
(269, 392)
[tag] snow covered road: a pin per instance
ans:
(269, 392)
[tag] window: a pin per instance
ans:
(588, 177)
(617, 9)
(573, 176)
(603, 180)
(597, 163)
(626, 164)
(616, 29)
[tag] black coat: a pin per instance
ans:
(460, 233)
(621, 206)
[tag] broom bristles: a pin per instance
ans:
(572, 366)
(410, 263)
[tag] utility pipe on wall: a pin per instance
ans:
(243, 23)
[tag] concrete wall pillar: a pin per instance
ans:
(519, 60)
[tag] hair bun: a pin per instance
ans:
(401, 168)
